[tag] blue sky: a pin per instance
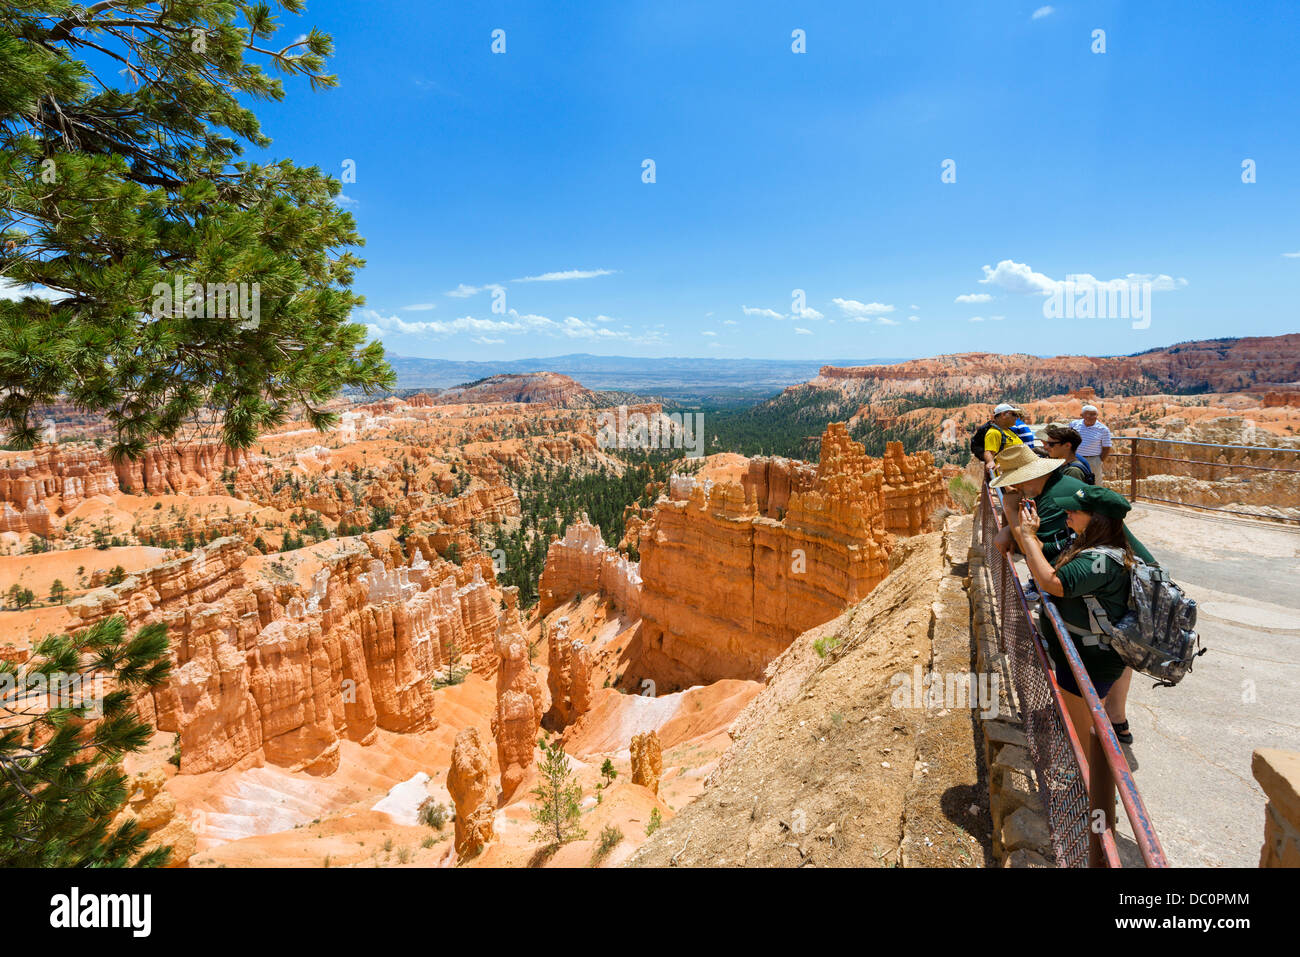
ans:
(819, 171)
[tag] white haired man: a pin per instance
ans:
(1095, 447)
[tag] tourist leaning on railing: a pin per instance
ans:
(1096, 516)
(1025, 476)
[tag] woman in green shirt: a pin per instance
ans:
(1096, 516)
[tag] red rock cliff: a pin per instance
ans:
(733, 572)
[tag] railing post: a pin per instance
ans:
(1101, 797)
(1132, 469)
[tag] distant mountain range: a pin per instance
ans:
(685, 379)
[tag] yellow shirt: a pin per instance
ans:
(995, 439)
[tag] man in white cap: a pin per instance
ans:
(1095, 447)
(1000, 432)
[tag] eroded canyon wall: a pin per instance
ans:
(732, 572)
(268, 672)
(581, 563)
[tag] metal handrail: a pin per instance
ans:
(1208, 445)
(1134, 455)
(1105, 768)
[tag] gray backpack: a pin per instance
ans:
(1157, 635)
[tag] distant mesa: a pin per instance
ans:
(1214, 365)
(530, 388)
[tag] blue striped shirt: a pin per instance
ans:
(1095, 437)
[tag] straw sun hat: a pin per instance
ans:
(1018, 463)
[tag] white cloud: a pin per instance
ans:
(1042, 12)
(807, 312)
(419, 307)
(913, 318)
(802, 331)
(914, 308)
(730, 322)
(755, 311)
(489, 331)
(886, 321)
(862, 311)
(974, 297)
(707, 333)
(346, 201)
(396, 324)
(976, 318)
(567, 274)
(1292, 255)
(1020, 278)
(996, 318)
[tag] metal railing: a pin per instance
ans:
(1134, 460)
(1078, 789)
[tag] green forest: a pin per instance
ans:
(551, 498)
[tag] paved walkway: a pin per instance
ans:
(1193, 743)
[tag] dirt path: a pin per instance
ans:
(828, 767)
(1193, 743)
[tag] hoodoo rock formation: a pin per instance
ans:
(469, 782)
(520, 705)
(568, 675)
(733, 572)
(183, 467)
(647, 760)
(268, 671)
(581, 563)
(73, 475)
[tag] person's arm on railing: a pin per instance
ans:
(1026, 534)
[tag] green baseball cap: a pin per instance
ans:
(1095, 498)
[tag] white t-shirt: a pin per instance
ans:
(1095, 437)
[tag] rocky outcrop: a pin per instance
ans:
(469, 782)
(487, 503)
(153, 809)
(531, 387)
(568, 676)
(735, 571)
(62, 476)
(519, 706)
(73, 473)
(582, 564)
(185, 467)
(262, 671)
(911, 489)
(647, 760)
